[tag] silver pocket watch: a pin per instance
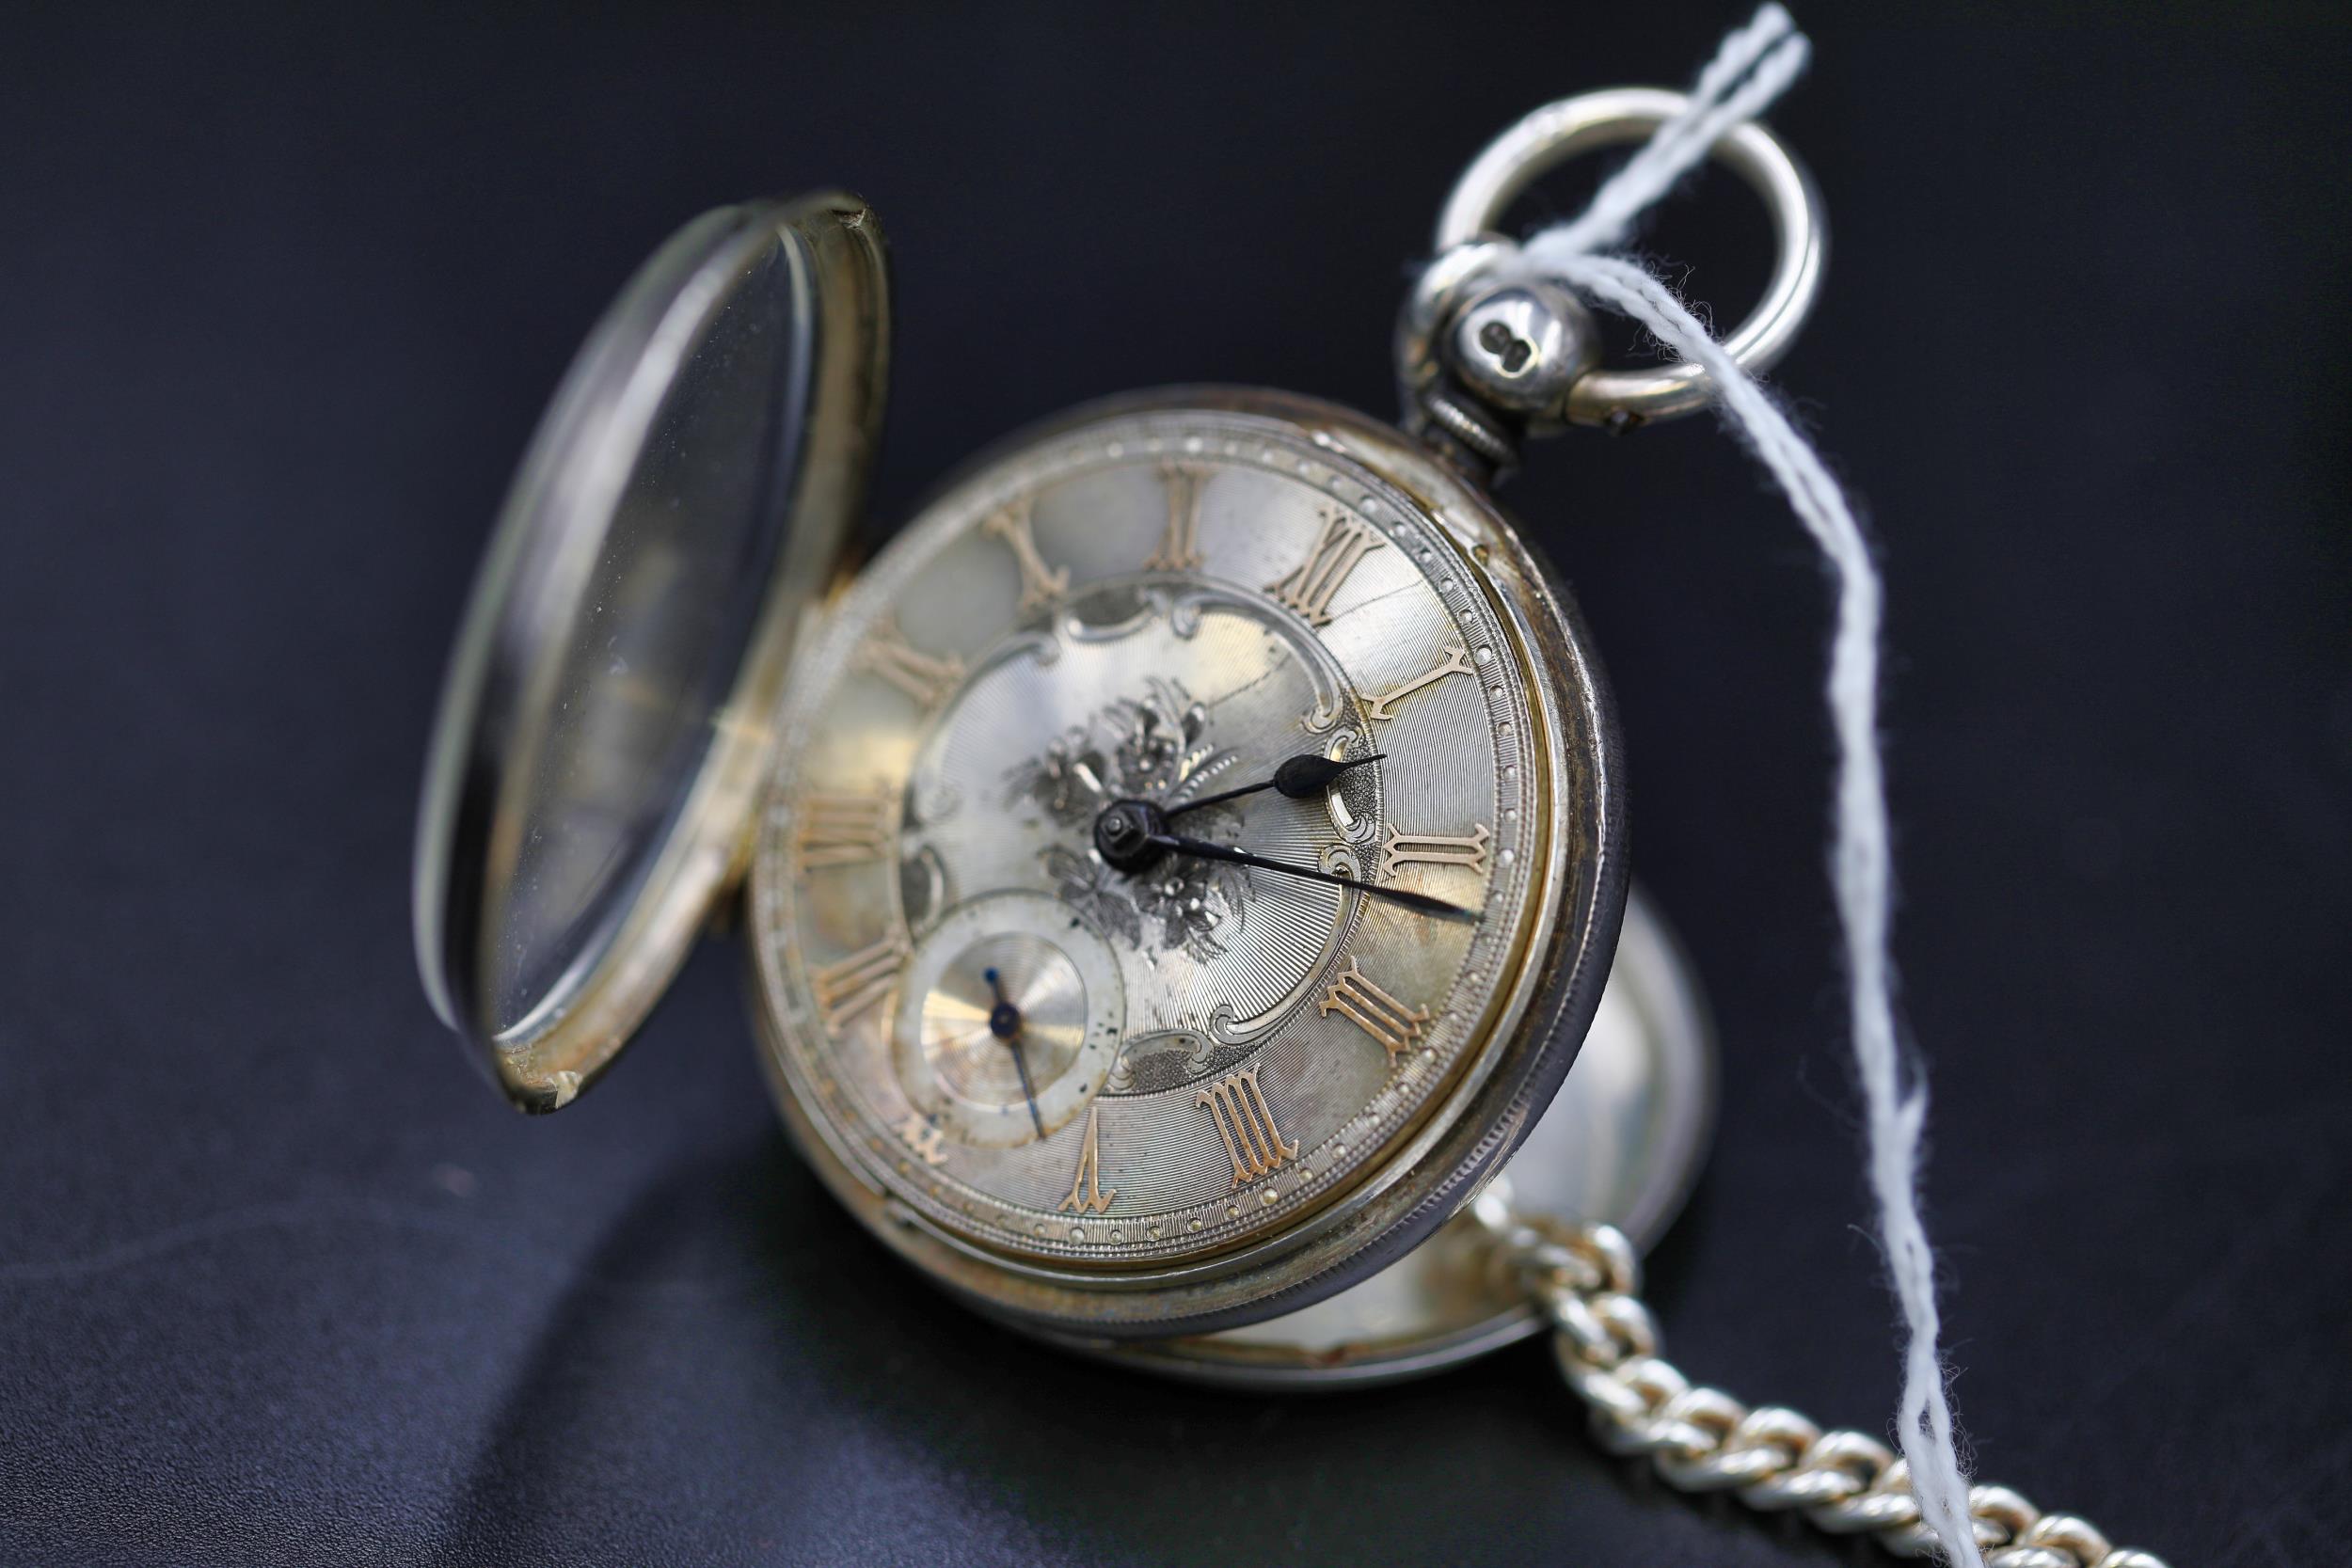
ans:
(1178, 870)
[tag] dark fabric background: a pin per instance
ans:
(282, 1283)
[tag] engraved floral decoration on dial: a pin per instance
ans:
(1134, 749)
(1022, 983)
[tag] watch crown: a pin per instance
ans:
(1521, 346)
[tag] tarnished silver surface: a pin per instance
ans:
(1587, 1281)
(1469, 253)
(1159, 602)
(1524, 346)
(1622, 1144)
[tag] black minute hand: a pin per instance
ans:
(1180, 845)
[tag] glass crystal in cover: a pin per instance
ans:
(603, 732)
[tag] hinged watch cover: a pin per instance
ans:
(604, 731)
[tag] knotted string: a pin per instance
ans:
(1755, 65)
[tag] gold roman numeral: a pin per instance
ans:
(1353, 997)
(842, 827)
(858, 982)
(1180, 544)
(1456, 663)
(925, 1140)
(1086, 1196)
(1307, 590)
(925, 678)
(1246, 1122)
(1040, 583)
(1405, 848)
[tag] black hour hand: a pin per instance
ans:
(1299, 778)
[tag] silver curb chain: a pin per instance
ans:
(1587, 1281)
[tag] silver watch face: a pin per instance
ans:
(1044, 970)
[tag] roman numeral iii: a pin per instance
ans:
(1404, 849)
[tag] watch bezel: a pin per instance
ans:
(1539, 1019)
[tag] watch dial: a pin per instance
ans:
(1030, 977)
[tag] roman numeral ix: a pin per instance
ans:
(842, 827)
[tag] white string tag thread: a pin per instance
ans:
(1754, 67)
